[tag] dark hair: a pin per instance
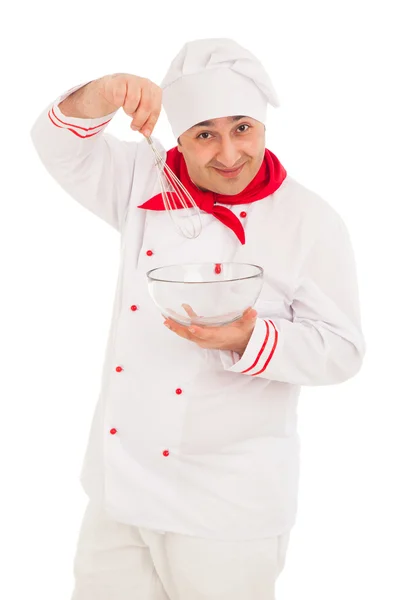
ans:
(179, 141)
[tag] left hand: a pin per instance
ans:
(234, 336)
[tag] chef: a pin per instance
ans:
(192, 464)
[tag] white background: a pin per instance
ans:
(333, 65)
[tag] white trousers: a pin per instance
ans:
(116, 561)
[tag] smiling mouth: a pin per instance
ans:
(229, 172)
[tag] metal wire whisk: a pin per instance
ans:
(187, 219)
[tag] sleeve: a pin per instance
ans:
(93, 167)
(324, 343)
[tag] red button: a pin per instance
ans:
(118, 369)
(134, 307)
(113, 431)
(243, 214)
(166, 453)
(218, 268)
(178, 391)
(149, 252)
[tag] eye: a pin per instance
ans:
(242, 127)
(203, 134)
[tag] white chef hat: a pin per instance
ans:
(212, 78)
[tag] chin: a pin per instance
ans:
(231, 188)
(231, 191)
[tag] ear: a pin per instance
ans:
(179, 147)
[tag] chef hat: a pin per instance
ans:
(214, 78)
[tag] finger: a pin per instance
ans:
(205, 333)
(132, 95)
(178, 329)
(189, 310)
(209, 337)
(171, 314)
(145, 108)
(113, 88)
(249, 314)
(148, 126)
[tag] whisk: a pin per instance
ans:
(187, 219)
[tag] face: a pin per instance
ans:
(225, 154)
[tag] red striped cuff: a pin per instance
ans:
(260, 349)
(63, 122)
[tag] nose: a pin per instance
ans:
(228, 154)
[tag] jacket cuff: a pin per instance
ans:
(82, 128)
(259, 351)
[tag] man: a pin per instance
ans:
(192, 465)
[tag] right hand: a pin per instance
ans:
(139, 97)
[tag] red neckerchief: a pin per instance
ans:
(268, 179)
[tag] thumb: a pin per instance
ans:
(249, 314)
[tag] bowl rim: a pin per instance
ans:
(260, 273)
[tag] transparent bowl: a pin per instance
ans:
(205, 293)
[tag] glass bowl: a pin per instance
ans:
(205, 293)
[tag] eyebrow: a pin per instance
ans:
(212, 123)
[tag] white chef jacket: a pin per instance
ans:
(184, 439)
